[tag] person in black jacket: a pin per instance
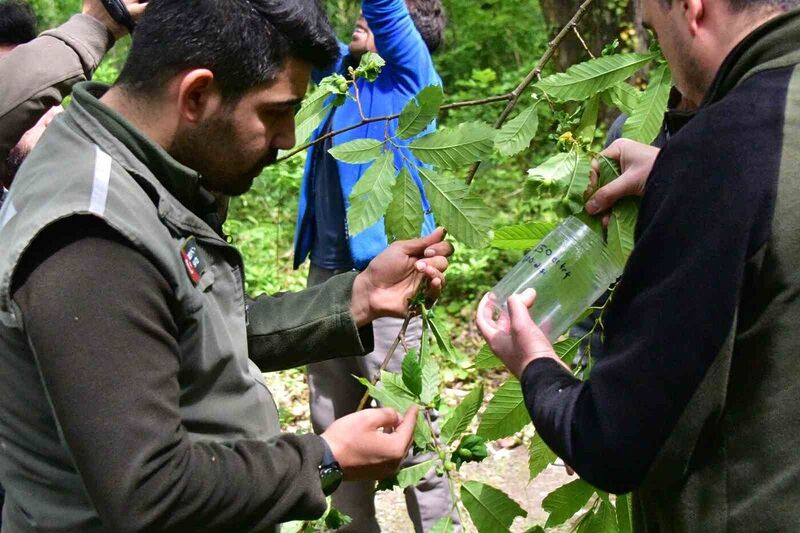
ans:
(692, 404)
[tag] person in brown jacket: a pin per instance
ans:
(36, 74)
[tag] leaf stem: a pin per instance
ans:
(389, 355)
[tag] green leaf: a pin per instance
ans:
(625, 97)
(465, 215)
(386, 484)
(420, 111)
(372, 194)
(565, 501)
(455, 148)
(338, 86)
(517, 134)
(569, 172)
(431, 380)
(370, 66)
(486, 360)
(603, 520)
(471, 449)
(621, 229)
(609, 171)
(336, 520)
(624, 518)
(412, 373)
(394, 385)
(521, 236)
(443, 525)
(442, 339)
(404, 217)
(567, 349)
(588, 124)
(491, 510)
(584, 80)
(357, 151)
(400, 403)
(535, 529)
(506, 413)
(412, 475)
(645, 122)
(461, 417)
(310, 116)
(540, 456)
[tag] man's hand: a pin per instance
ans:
(393, 278)
(636, 161)
(371, 444)
(514, 337)
(95, 9)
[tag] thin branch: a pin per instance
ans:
(583, 43)
(534, 74)
(358, 97)
(387, 118)
(389, 355)
(450, 481)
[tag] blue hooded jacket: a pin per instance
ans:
(409, 69)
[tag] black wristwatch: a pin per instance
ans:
(330, 473)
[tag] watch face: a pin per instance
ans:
(330, 477)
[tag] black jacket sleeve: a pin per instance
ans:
(707, 210)
(97, 315)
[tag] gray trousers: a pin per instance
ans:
(334, 393)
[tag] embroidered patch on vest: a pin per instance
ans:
(195, 265)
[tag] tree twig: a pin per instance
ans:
(389, 355)
(450, 481)
(534, 74)
(583, 42)
(387, 118)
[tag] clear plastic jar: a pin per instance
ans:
(570, 269)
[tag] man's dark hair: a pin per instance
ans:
(17, 23)
(743, 5)
(245, 43)
(430, 20)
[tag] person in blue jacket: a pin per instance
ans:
(404, 33)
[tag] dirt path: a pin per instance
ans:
(506, 469)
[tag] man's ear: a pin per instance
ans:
(694, 12)
(198, 95)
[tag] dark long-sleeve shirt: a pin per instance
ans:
(125, 435)
(691, 289)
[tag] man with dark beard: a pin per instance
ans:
(131, 394)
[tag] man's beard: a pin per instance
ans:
(205, 150)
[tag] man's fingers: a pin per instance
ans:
(614, 150)
(605, 198)
(417, 247)
(438, 262)
(406, 428)
(518, 306)
(485, 317)
(382, 417)
(444, 248)
(136, 10)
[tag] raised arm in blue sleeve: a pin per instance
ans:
(398, 41)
